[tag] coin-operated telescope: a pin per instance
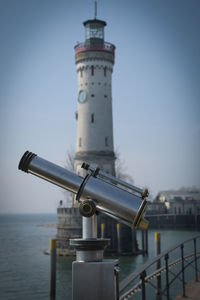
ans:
(97, 191)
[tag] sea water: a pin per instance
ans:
(24, 268)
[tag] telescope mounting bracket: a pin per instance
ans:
(87, 207)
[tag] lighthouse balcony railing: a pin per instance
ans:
(107, 47)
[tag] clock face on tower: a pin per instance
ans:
(82, 96)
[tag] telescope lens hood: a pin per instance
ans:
(25, 161)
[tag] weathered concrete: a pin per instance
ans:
(173, 221)
(192, 291)
(69, 227)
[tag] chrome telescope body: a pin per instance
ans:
(108, 197)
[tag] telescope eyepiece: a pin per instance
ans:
(25, 161)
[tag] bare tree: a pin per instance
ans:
(70, 159)
(69, 165)
(120, 173)
(120, 166)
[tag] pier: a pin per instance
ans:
(192, 291)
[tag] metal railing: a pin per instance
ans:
(107, 47)
(178, 265)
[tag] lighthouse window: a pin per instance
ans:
(105, 71)
(81, 72)
(106, 141)
(92, 95)
(92, 118)
(80, 142)
(92, 70)
(105, 96)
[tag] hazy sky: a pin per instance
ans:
(155, 87)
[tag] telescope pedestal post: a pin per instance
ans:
(92, 276)
(89, 228)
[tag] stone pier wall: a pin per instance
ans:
(69, 227)
(173, 221)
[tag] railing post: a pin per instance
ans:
(167, 275)
(158, 278)
(195, 259)
(183, 270)
(142, 277)
(52, 282)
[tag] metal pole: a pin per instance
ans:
(116, 270)
(142, 277)
(102, 230)
(158, 278)
(118, 238)
(52, 282)
(183, 270)
(167, 275)
(195, 260)
(89, 227)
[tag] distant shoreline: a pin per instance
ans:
(47, 225)
(162, 221)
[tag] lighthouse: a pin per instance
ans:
(94, 60)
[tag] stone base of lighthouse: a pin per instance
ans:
(69, 227)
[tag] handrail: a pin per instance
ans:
(133, 275)
(107, 47)
(146, 278)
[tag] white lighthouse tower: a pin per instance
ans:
(94, 64)
(94, 60)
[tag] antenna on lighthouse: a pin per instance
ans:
(95, 9)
